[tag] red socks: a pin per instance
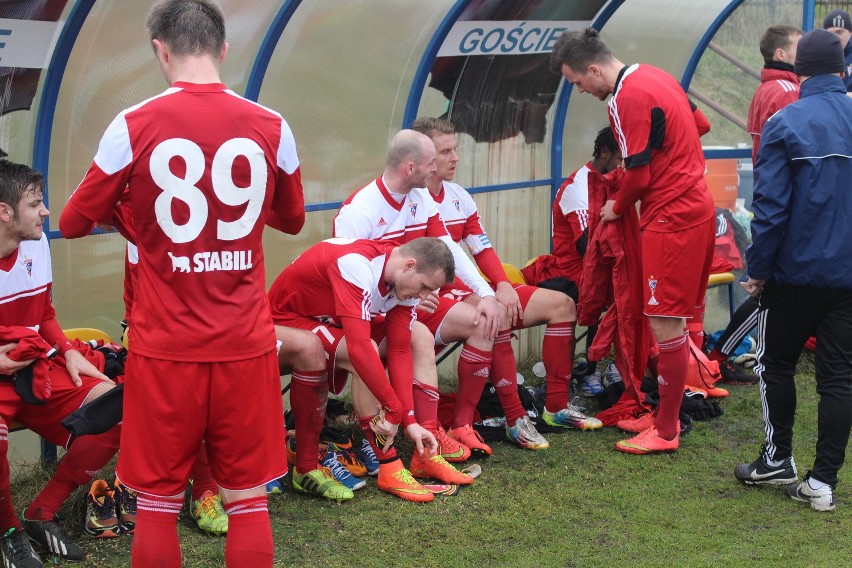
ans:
(155, 540)
(426, 405)
(308, 398)
(7, 511)
(473, 370)
(557, 353)
(249, 540)
(671, 378)
(86, 456)
(156, 544)
(504, 377)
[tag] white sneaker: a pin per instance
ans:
(820, 499)
(524, 434)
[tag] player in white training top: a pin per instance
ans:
(397, 206)
(539, 306)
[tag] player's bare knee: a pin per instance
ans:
(312, 356)
(231, 496)
(479, 340)
(422, 341)
(564, 309)
(666, 328)
(300, 349)
(98, 390)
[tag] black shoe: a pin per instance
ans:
(759, 473)
(51, 536)
(733, 374)
(16, 550)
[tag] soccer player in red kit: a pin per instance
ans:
(206, 170)
(396, 206)
(29, 331)
(538, 305)
(359, 298)
(205, 505)
(570, 216)
(658, 133)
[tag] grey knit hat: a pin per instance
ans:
(819, 53)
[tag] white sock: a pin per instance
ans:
(775, 463)
(816, 484)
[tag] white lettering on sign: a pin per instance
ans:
(518, 37)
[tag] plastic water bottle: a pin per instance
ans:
(538, 370)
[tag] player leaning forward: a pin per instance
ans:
(359, 298)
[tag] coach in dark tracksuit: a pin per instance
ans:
(800, 265)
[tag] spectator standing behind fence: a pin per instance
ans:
(800, 267)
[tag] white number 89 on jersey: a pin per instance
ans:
(225, 189)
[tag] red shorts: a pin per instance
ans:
(675, 268)
(434, 320)
(330, 335)
(525, 292)
(451, 295)
(170, 407)
(458, 291)
(45, 419)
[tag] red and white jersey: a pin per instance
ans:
(570, 221)
(25, 282)
(655, 126)
(205, 170)
(131, 266)
(461, 217)
(340, 282)
(373, 212)
(337, 278)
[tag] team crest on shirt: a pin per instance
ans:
(652, 284)
(457, 204)
(413, 210)
(28, 264)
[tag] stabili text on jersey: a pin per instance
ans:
(211, 261)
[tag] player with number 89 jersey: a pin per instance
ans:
(204, 171)
(203, 167)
